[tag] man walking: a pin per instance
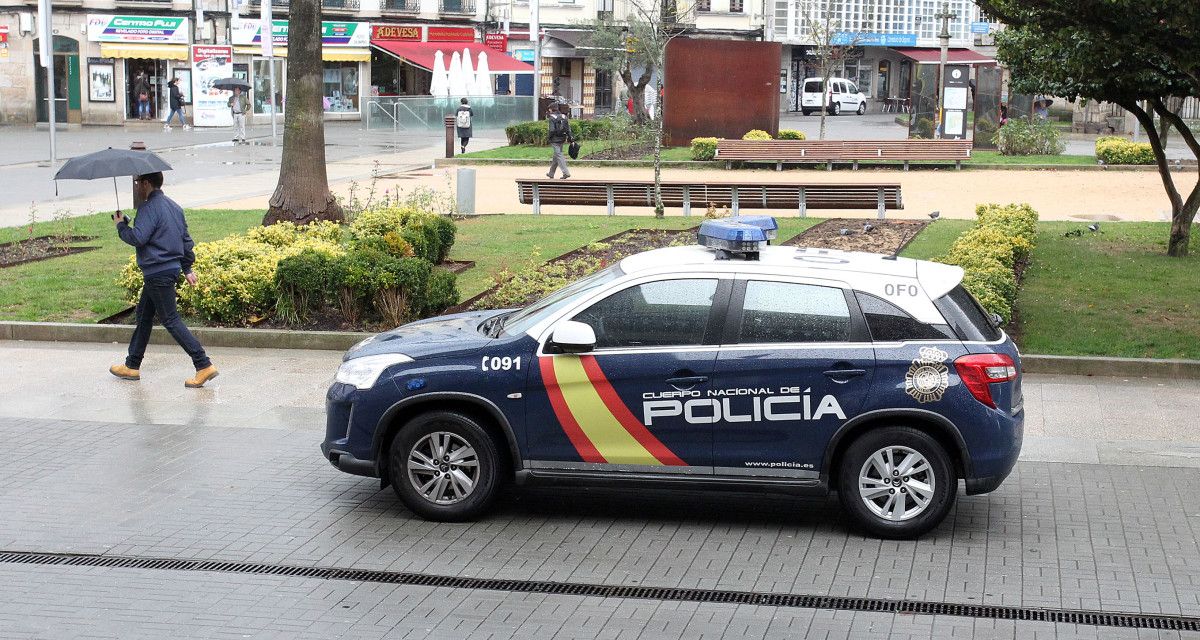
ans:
(462, 122)
(141, 91)
(164, 250)
(176, 105)
(238, 106)
(560, 133)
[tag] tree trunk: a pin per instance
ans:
(1181, 229)
(302, 193)
(1183, 212)
(659, 209)
(637, 93)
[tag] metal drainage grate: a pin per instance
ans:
(1070, 616)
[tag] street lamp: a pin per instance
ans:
(944, 37)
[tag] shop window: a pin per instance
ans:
(341, 87)
(260, 96)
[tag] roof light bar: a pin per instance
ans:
(743, 236)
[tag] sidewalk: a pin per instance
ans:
(1069, 418)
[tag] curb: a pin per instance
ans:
(343, 340)
(817, 166)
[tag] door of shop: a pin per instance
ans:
(155, 75)
(66, 82)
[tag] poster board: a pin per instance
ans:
(210, 106)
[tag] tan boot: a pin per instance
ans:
(202, 376)
(125, 373)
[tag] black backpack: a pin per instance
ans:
(559, 126)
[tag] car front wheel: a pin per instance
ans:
(444, 466)
(897, 482)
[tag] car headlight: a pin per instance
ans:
(363, 372)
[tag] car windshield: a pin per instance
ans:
(520, 321)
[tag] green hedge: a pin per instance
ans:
(538, 133)
(756, 134)
(1003, 237)
(791, 134)
(1118, 150)
(1025, 138)
(704, 148)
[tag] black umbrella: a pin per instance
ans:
(111, 163)
(229, 84)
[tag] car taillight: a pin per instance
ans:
(979, 371)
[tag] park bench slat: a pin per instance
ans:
(827, 151)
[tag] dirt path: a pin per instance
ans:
(1057, 195)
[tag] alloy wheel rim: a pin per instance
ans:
(896, 483)
(443, 468)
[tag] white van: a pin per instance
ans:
(843, 96)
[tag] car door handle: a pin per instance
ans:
(687, 381)
(845, 373)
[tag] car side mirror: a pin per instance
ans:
(997, 321)
(573, 337)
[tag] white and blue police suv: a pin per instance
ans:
(732, 364)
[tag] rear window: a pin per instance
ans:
(812, 86)
(889, 323)
(966, 316)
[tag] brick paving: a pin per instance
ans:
(1057, 535)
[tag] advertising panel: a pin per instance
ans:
(333, 34)
(150, 29)
(403, 33)
(450, 34)
(865, 39)
(497, 41)
(210, 106)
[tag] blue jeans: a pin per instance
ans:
(172, 115)
(143, 108)
(158, 298)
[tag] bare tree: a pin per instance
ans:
(641, 40)
(831, 45)
(302, 193)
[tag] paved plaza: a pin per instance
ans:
(1099, 516)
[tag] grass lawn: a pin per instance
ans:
(981, 156)
(1114, 293)
(82, 287)
(534, 152)
(935, 239)
(496, 242)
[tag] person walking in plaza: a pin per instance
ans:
(176, 105)
(560, 134)
(462, 122)
(141, 92)
(160, 236)
(239, 104)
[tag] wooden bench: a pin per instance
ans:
(735, 195)
(830, 151)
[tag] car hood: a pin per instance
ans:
(441, 336)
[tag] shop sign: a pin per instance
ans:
(101, 61)
(981, 27)
(210, 106)
(3, 41)
(396, 32)
(524, 55)
(333, 34)
(450, 34)
(497, 41)
(865, 39)
(156, 29)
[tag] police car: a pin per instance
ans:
(731, 364)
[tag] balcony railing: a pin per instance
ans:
(275, 4)
(456, 7)
(401, 6)
(344, 5)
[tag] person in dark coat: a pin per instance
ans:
(164, 251)
(560, 133)
(176, 105)
(462, 123)
(141, 94)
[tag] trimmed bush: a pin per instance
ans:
(1002, 237)
(704, 148)
(304, 284)
(441, 293)
(430, 236)
(538, 133)
(1025, 138)
(1118, 150)
(791, 134)
(756, 134)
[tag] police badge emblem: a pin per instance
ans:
(928, 376)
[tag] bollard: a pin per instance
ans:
(136, 145)
(449, 136)
(466, 191)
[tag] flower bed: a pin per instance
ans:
(874, 236)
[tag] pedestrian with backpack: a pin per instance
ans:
(462, 122)
(560, 134)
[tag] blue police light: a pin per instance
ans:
(730, 236)
(766, 223)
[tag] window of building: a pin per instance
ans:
(341, 87)
(735, 6)
(654, 314)
(704, 6)
(779, 312)
(604, 91)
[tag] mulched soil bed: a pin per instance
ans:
(457, 266)
(619, 246)
(41, 248)
(886, 236)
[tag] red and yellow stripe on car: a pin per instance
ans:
(595, 419)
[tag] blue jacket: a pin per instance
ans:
(160, 234)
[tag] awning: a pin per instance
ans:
(147, 51)
(421, 54)
(953, 56)
(328, 54)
